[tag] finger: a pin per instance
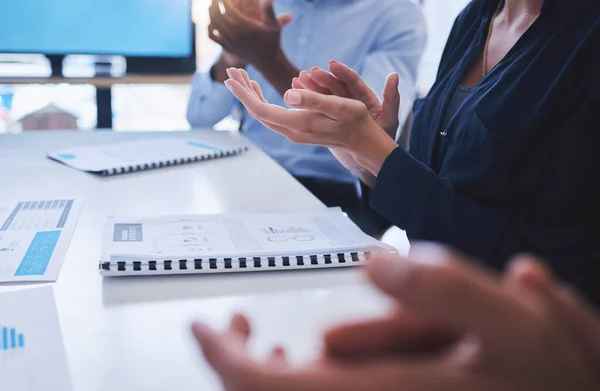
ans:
(296, 84)
(391, 104)
(240, 326)
(258, 91)
(573, 313)
(307, 81)
(355, 84)
(218, 349)
(285, 19)
(229, 10)
(330, 82)
(237, 75)
(440, 286)
(294, 136)
(277, 358)
(288, 119)
(566, 308)
(398, 333)
(333, 107)
(216, 36)
(219, 21)
(246, 77)
(250, 8)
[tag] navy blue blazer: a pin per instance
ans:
(519, 163)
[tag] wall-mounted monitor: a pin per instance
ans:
(154, 35)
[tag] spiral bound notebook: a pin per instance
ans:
(241, 242)
(121, 158)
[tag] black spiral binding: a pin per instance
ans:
(176, 162)
(221, 265)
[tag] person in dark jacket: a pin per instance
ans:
(503, 155)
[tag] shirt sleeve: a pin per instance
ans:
(210, 101)
(401, 42)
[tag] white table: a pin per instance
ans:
(132, 334)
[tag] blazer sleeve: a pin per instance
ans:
(559, 222)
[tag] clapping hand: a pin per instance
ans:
(340, 123)
(345, 82)
(456, 328)
(248, 30)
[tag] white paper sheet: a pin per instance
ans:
(240, 234)
(32, 354)
(34, 237)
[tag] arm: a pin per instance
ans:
(255, 39)
(557, 222)
(278, 71)
(210, 101)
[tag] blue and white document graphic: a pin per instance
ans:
(32, 354)
(34, 237)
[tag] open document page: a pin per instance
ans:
(32, 354)
(34, 238)
(232, 235)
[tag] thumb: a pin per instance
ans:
(391, 104)
(439, 285)
(284, 19)
(334, 107)
(568, 310)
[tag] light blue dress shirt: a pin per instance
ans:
(374, 37)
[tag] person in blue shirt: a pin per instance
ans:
(376, 37)
(504, 149)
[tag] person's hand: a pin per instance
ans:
(500, 339)
(317, 119)
(253, 10)
(526, 278)
(344, 82)
(248, 31)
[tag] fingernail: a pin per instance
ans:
(228, 84)
(293, 98)
(333, 62)
(228, 71)
(200, 330)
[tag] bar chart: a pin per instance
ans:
(11, 339)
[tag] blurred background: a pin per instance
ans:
(30, 100)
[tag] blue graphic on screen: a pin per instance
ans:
(11, 339)
(155, 28)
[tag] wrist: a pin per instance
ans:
(272, 64)
(374, 152)
(218, 72)
(277, 70)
